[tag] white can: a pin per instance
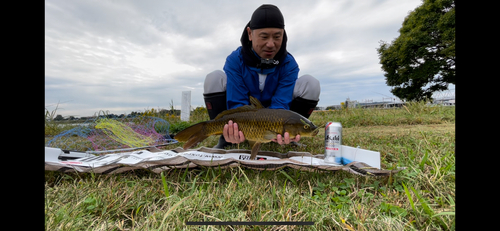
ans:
(333, 143)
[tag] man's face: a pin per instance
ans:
(266, 42)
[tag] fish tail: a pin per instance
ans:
(192, 135)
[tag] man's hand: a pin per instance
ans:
(232, 134)
(286, 139)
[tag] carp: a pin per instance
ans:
(258, 124)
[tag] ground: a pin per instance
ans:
(422, 196)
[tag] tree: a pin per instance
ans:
(422, 59)
(58, 118)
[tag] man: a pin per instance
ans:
(260, 67)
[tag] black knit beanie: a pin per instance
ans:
(267, 16)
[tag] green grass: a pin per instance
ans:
(421, 197)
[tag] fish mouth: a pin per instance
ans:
(315, 132)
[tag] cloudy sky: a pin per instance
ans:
(125, 56)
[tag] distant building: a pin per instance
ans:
(444, 99)
(445, 102)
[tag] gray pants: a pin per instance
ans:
(306, 86)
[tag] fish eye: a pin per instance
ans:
(306, 126)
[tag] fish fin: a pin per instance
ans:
(255, 102)
(269, 135)
(186, 134)
(255, 149)
(243, 108)
(254, 105)
(194, 140)
(192, 135)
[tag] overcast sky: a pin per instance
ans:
(125, 56)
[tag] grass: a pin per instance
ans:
(421, 197)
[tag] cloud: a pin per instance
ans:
(132, 55)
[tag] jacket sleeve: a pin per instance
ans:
(283, 95)
(236, 90)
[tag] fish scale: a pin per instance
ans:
(254, 124)
(258, 124)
